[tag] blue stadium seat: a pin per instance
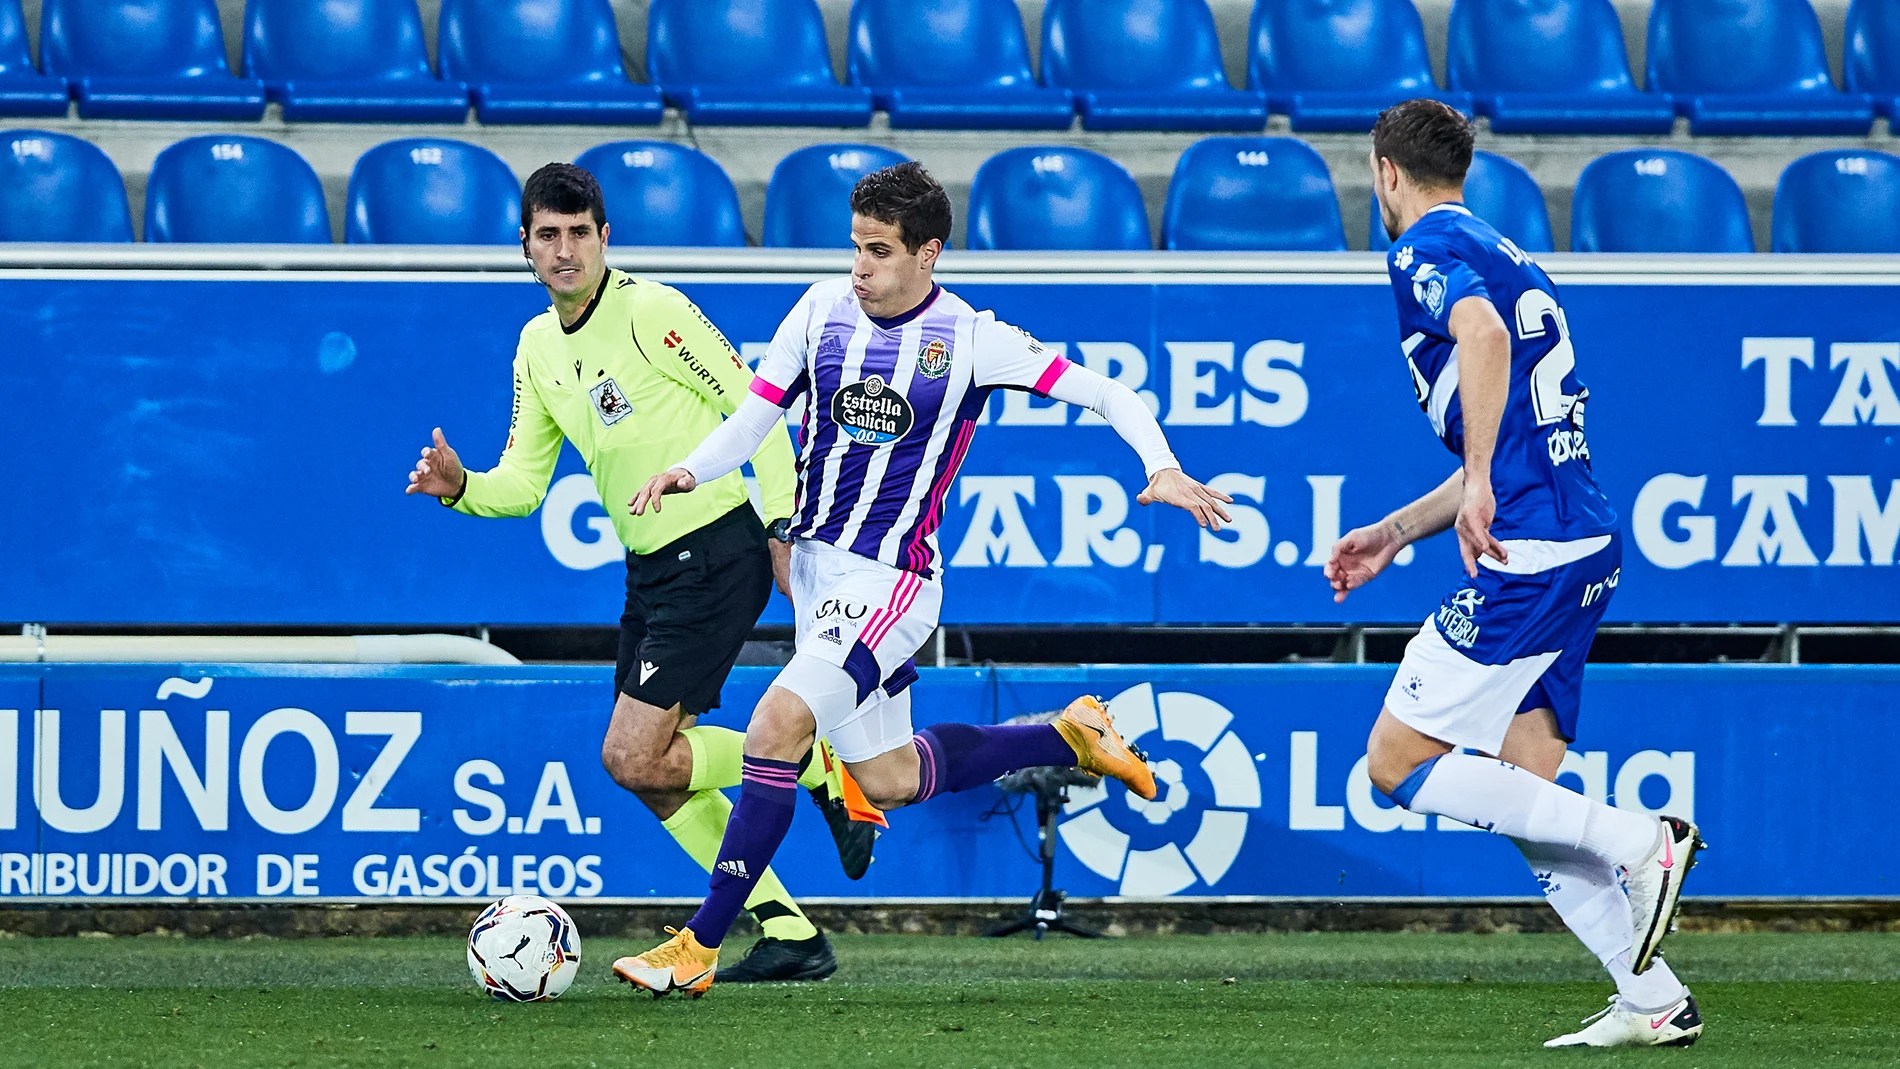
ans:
(1550, 67)
(55, 187)
(431, 191)
(977, 76)
(1843, 200)
(808, 200)
(1271, 193)
(23, 89)
(659, 193)
(542, 61)
(750, 63)
(1052, 197)
(1873, 54)
(145, 59)
(1499, 191)
(232, 188)
(1144, 65)
(1658, 200)
(1749, 67)
(347, 61)
(1335, 64)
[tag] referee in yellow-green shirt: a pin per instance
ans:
(634, 375)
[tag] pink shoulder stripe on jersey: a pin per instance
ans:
(1051, 374)
(768, 391)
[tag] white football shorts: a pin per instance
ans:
(1508, 641)
(868, 620)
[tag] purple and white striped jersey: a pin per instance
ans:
(893, 409)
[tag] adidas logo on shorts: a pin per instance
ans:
(734, 867)
(832, 636)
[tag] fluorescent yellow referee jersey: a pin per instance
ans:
(638, 381)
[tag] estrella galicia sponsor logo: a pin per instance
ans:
(1455, 617)
(850, 610)
(871, 412)
(610, 404)
(933, 360)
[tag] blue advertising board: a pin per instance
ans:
(353, 782)
(232, 448)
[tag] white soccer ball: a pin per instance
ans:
(524, 948)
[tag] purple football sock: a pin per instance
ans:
(753, 833)
(956, 757)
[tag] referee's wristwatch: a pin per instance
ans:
(781, 530)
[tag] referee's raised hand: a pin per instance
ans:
(439, 473)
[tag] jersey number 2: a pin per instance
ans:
(1548, 399)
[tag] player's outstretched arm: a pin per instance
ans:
(1484, 383)
(723, 451)
(1130, 418)
(1364, 552)
(1172, 486)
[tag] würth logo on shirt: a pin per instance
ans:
(735, 867)
(672, 339)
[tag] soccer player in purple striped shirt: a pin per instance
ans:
(897, 370)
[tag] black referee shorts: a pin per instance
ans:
(691, 605)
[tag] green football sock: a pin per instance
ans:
(700, 824)
(717, 753)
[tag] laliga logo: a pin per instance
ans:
(1185, 849)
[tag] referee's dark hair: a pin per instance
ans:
(563, 189)
(905, 196)
(1428, 140)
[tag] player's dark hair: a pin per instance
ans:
(1428, 140)
(563, 189)
(905, 196)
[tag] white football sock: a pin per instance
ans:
(1585, 892)
(1654, 991)
(1501, 797)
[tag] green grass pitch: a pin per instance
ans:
(1410, 1001)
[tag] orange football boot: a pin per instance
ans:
(1088, 729)
(679, 964)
